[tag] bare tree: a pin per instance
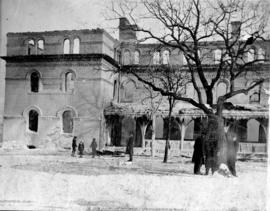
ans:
(188, 26)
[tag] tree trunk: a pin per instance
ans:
(153, 135)
(167, 144)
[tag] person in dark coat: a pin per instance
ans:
(74, 145)
(130, 144)
(94, 147)
(198, 153)
(232, 148)
(81, 148)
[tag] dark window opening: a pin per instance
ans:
(67, 122)
(34, 82)
(33, 120)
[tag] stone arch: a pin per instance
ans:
(137, 55)
(127, 90)
(76, 45)
(32, 116)
(166, 56)
(67, 115)
(255, 131)
(222, 87)
(29, 80)
(66, 46)
(65, 80)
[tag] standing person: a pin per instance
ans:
(232, 149)
(81, 148)
(74, 145)
(198, 153)
(129, 149)
(94, 147)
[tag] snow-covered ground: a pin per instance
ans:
(38, 180)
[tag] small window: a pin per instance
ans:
(33, 120)
(76, 46)
(136, 57)
(126, 59)
(156, 57)
(66, 46)
(217, 56)
(251, 55)
(31, 47)
(34, 78)
(166, 57)
(67, 119)
(69, 82)
(40, 46)
(115, 89)
(261, 55)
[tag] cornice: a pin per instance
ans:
(59, 58)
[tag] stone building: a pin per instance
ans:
(61, 83)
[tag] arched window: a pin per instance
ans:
(40, 46)
(221, 89)
(165, 57)
(67, 118)
(33, 120)
(156, 57)
(76, 46)
(261, 55)
(31, 47)
(136, 57)
(217, 56)
(34, 80)
(66, 46)
(129, 89)
(251, 55)
(126, 59)
(69, 82)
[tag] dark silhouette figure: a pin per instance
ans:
(130, 144)
(232, 148)
(74, 145)
(198, 154)
(94, 147)
(81, 148)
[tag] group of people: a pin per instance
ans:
(93, 147)
(206, 152)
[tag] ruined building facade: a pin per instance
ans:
(62, 83)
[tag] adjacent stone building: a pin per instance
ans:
(62, 83)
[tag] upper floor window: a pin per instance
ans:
(34, 79)
(254, 97)
(251, 55)
(40, 46)
(221, 89)
(69, 82)
(76, 46)
(31, 47)
(115, 89)
(66, 46)
(261, 55)
(217, 56)
(126, 57)
(33, 120)
(128, 90)
(136, 57)
(166, 57)
(156, 57)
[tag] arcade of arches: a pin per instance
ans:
(249, 131)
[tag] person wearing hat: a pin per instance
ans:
(81, 148)
(74, 145)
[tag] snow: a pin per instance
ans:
(57, 181)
